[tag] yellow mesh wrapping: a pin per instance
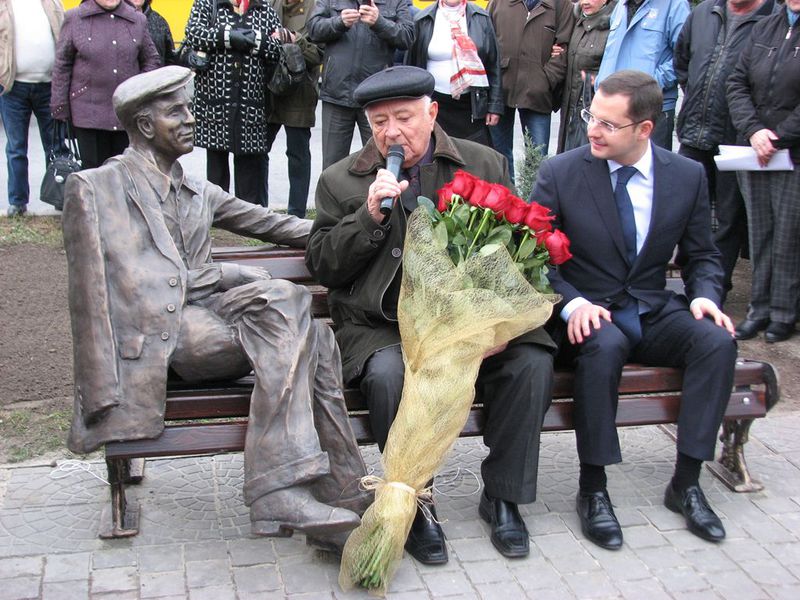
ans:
(450, 318)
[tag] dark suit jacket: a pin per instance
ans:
(577, 188)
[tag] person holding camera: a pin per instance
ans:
(230, 102)
(360, 38)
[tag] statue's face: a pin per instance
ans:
(173, 123)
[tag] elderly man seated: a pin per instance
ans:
(145, 296)
(356, 251)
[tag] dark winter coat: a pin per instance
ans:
(531, 76)
(480, 31)
(764, 90)
(584, 53)
(703, 65)
(230, 96)
(358, 260)
(96, 51)
(298, 109)
(160, 34)
(353, 54)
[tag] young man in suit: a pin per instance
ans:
(626, 204)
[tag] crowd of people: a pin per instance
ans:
(613, 69)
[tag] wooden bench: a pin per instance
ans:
(210, 419)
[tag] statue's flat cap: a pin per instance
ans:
(132, 93)
(394, 83)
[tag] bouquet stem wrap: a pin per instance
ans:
(450, 317)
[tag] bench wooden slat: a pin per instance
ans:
(194, 438)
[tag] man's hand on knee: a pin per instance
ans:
(583, 319)
(702, 307)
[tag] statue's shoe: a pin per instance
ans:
(280, 513)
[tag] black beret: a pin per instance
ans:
(132, 93)
(393, 83)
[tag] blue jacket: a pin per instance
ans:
(647, 44)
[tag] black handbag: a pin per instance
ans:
(290, 70)
(576, 135)
(188, 57)
(64, 159)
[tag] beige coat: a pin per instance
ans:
(8, 63)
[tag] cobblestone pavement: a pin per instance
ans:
(195, 542)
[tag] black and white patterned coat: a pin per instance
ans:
(230, 97)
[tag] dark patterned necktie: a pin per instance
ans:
(625, 210)
(627, 316)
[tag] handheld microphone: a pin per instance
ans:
(394, 160)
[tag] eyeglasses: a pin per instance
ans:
(589, 118)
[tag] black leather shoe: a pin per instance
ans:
(700, 519)
(426, 539)
(779, 332)
(749, 328)
(509, 534)
(598, 521)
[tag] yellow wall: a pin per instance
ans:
(176, 12)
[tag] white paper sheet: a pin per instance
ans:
(743, 158)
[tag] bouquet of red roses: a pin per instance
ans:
(473, 215)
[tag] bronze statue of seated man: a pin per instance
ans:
(145, 296)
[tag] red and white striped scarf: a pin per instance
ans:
(467, 67)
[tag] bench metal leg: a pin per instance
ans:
(731, 467)
(121, 519)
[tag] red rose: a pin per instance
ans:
(557, 245)
(498, 199)
(479, 192)
(538, 218)
(463, 183)
(445, 197)
(516, 210)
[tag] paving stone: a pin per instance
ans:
(504, 590)
(744, 550)
(768, 532)
(211, 550)
(786, 554)
(418, 595)
(20, 588)
(629, 517)
(406, 578)
(67, 567)
(292, 546)
(490, 571)
(710, 559)
(262, 578)
(23, 565)
(681, 579)
(558, 544)
(448, 583)
(299, 577)
(685, 541)
(579, 562)
(776, 506)
(769, 573)
(117, 557)
(622, 567)
(791, 592)
(156, 585)
(114, 579)
(214, 592)
(661, 558)
(551, 594)
(736, 585)
(643, 537)
(251, 552)
(204, 573)
(544, 524)
(65, 590)
(457, 529)
(592, 585)
(473, 550)
(154, 559)
(643, 588)
(129, 595)
(693, 595)
(536, 575)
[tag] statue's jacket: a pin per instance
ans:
(129, 282)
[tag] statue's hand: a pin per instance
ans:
(250, 274)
